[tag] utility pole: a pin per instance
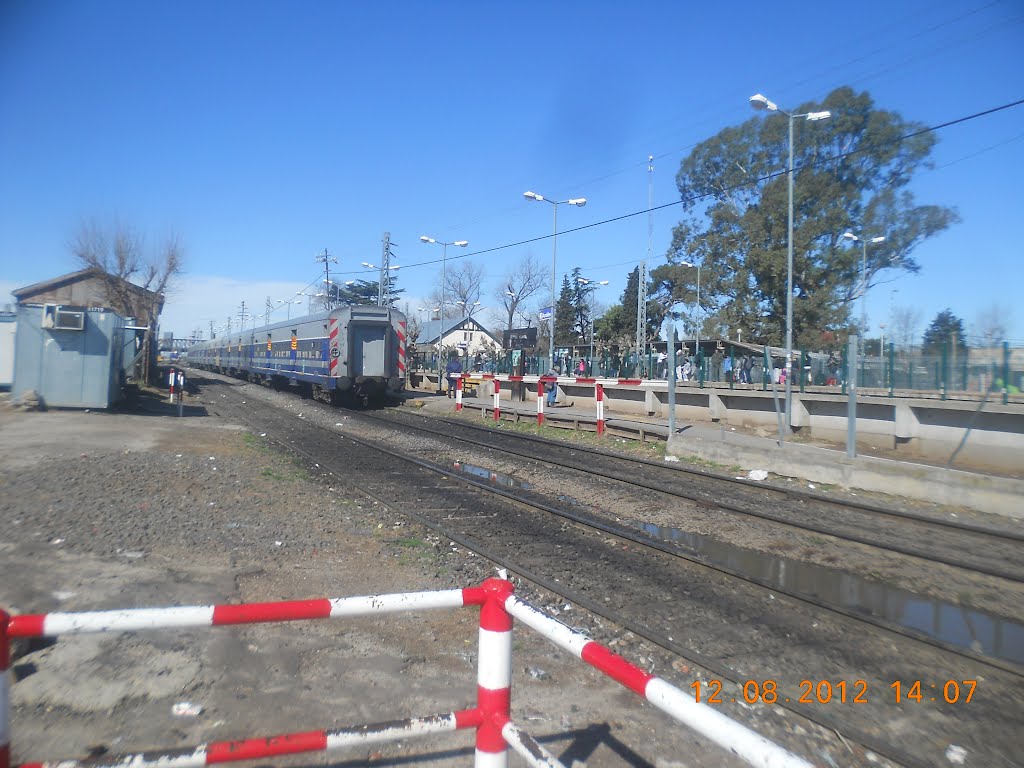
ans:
(266, 314)
(212, 336)
(385, 273)
(242, 316)
(641, 283)
(326, 259)
(229, 325)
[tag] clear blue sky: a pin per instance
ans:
(264, 132)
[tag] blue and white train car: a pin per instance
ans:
(355, 352)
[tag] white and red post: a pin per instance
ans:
(494, 676)
(599, 397)
(540, 402)
(458, 392)
(5, 692)
(170, 383)
(497, 400)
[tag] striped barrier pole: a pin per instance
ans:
(599, 396)
(497, 400)
(750, 746)
(494, 675)
(5, 692)
(540, 402)
(281, 744)
(528, 748)
(131, 620)
(458, 392)
(170, 384)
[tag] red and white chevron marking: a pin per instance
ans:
(333, 352)
(402, 335)
(755, 749)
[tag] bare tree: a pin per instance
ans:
(905, 322)
(462, 288)
(990, 325)
(118, 255)
(518, 285)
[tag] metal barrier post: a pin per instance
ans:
(458, 392)
(892, 369)
(540, 402)
(5, 692)
(170, 384)
(494, 675)
(599, 397)
(1006, 372)
(497, 400)
(181, 393)
(851, 403)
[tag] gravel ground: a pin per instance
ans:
(133, 509)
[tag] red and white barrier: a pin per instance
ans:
(170, 384)
(459, 384)
(540, 402)
(497, 400)
(682, 706)
(599, 397)
(491, 717)
(5, 692)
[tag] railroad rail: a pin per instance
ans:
(626, 580)
(991, 551)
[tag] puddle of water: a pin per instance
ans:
(979, 631)
(494, 478)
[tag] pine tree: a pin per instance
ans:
(565, 314)
(945, 328)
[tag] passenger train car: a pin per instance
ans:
(355, 352)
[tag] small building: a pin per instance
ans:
(94, 289)
(465, 336)
(70, 356)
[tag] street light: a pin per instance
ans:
(579, 202)
(440, 313)
(863, 272)
(696, 333)
(289, 302)
(591, 285)
(758, 101)
(467, 307)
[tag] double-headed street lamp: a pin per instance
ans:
(440, 311)
(863, 272)
(289, 302)
(579, 202)
(758, 101)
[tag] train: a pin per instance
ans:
(346, 354)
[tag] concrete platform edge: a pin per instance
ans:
(986, 493)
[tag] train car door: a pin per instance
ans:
(369, 350)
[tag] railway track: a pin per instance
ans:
(990, 551)
(700, 614)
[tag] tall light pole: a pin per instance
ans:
(758, 101)
(579, 202)
(440, 311)
(289, 302)
(385, 277)
(591, 285)
(696, 334)
(864, 274)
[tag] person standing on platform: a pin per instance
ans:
(551, 388)
(452, 371)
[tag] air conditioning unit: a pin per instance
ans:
(58, 319)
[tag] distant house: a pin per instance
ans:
(465, 335)
(92, 289)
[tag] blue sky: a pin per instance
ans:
(264, 132)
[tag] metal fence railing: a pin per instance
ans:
(940, 370)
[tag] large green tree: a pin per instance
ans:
(851, 175)
(946, 328)
(565, 316)
(618, 324)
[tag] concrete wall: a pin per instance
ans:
(914, 427)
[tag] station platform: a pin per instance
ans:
(744, 450)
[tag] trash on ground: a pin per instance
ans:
(672, 458)
(757, 474)
(186, 709)
(956, 754)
